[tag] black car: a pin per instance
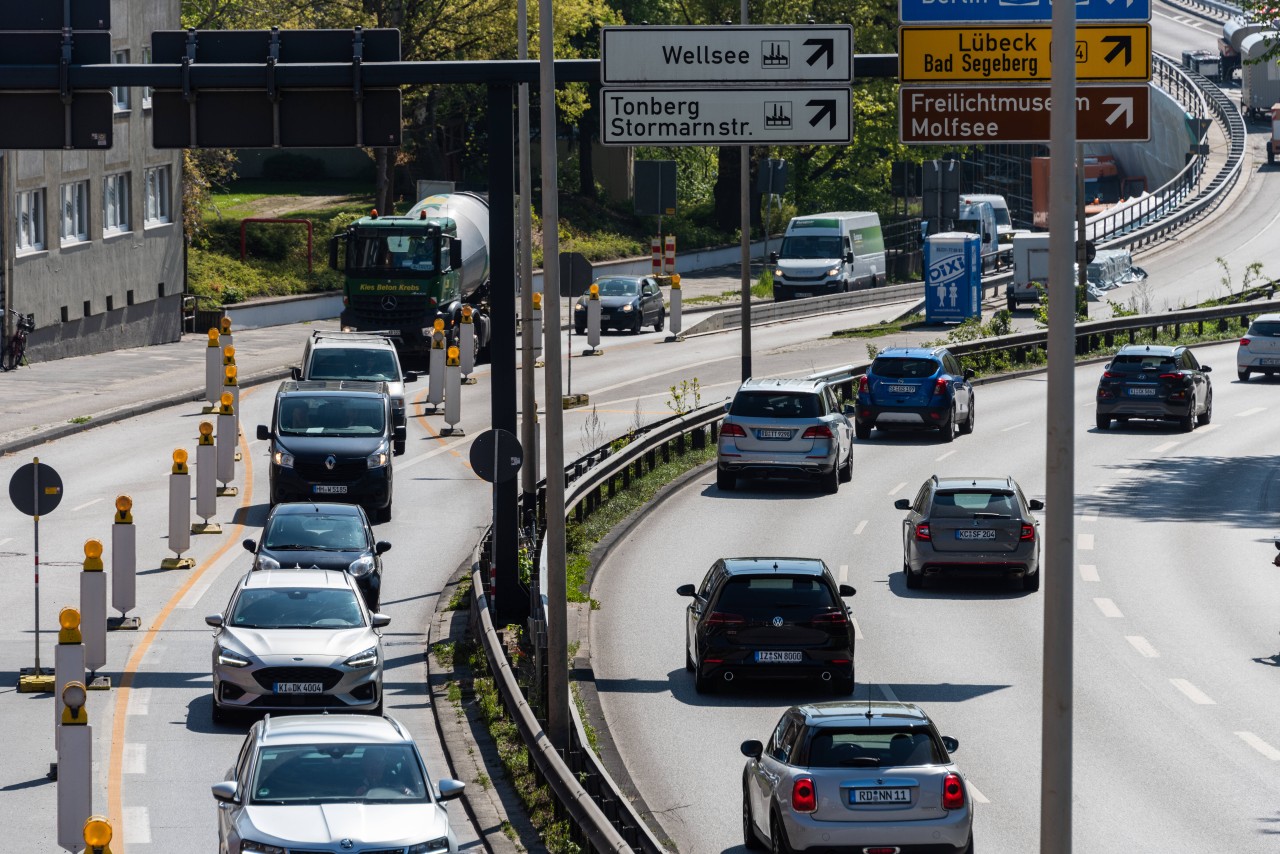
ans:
(305, 535)
(1153, 381)
(628, 303)
(770, 618)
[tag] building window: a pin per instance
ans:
(121, 93)
(30, 215)
(146, 90)
(115, 203)
(75, 212)
(158, 196)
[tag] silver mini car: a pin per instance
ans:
(296, 639)
(855, 776)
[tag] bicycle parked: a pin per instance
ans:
(15, 353)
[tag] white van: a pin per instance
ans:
(980, 218)
(1004, 223)
(828, 253)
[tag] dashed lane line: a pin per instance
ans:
(1108, 608)
(1143, 646)
(898, 488)
(1193, 693)
(1015, 427)
(1259, 745)
(1167, 446)
(1089, 516)
(134, 759)
(1084, 542)
(1249, 412)
(1088, 572)
(862, 526)
(944, 456)
(888, 693)
(86, 504)
(137, 825)
(975, 794)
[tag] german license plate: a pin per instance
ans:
(802, 294)
(975, 534)
(330, 489)
(299, 688)
(1142, 392)
(773, 434)
(777, 656)
(1269, 361)
(901, 389)
(880, 796)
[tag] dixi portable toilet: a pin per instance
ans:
(952, 277)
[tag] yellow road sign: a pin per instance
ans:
(989, 53)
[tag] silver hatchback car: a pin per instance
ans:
(855, 776)
(296, 639)
(792, 428)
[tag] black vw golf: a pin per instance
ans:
(771, 618)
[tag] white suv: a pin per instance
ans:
(332, 355)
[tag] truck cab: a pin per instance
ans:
(980, 218)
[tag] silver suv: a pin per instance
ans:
(370, 356)
(791, 428)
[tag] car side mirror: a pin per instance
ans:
(263, 433)
(1204, 369)
(847, 590)
(447, 789)
(728, 404)
(950, 744)
(969, 373)
(401, 433)
(686, 590)
(381, 547)
(1035, 504)
(296, 372)
(214, 620)
(752, 749)
(848, 257)
(250, 546)
(379, 620)
(227, 792)
(410, 377)
(902, 504)
(773, 257)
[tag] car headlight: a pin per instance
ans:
(778, 274)
(834, 271)
(284, 459)
(368, 658)
(231, 659)
(247, 846)
(577, 306)
(267, 562)
(378, 458)
(629, 307)
(441, 844)
(361, 566)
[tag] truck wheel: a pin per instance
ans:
(1012, 305)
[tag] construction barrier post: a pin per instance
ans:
(467, 344)
(537, 330)
(231, 383)
(93, 614)
(676, 296)
(435, 366)
(655, 250)
(452, 392)
(669, 256)
(74, 768)
(97, 835)
(124, 566)
(68, 666)
(179, 513)
(206, 482)
(593, 322)
(225, 335)
(226, 447)
(212, 370)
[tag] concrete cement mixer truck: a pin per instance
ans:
(401, 273)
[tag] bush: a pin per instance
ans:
(288, 166)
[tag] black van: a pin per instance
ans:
(333, 440)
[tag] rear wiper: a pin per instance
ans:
(982, 514)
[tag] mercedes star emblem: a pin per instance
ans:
(330, 462)
(389, 303)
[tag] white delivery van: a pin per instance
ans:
(980, 218)
(1030, 265)
(1004, 222)
(828, 253)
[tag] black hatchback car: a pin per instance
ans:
(305, 535)
(627, 303)
(1159, 382)
(770, 618)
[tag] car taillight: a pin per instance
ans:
(1111, 375)
(952, 792)
(863, 385)
(1028, 532)
(720, 618)
(940, 387)
(835, 618)
(818, 431)
(732, 430)
(922, 532)
(1173, 376)
(803, 796)
(1244, 342)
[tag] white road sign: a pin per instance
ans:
(816, 116)
(750, 54)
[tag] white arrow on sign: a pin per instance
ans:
(1123, 107)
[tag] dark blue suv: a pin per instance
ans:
(912, 388)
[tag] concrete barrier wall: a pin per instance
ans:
(283, 310)
(766, 312)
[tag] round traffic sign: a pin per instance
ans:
(496, 455)
(35, 489)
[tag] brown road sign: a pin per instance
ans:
(972, 114)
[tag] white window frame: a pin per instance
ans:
(146, 90)
(120, 94)
(159, 196)
(73, 212)
(29, 215)
(115, 204)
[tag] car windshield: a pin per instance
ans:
(296, 608)
(332, 416)
(839, 747)
(315, 531)
(904, 368)
(384, 252)
(968, 226)
(1139, 363)
(354, 364)
(1265, 329)
(966, 504)
(772, 404)
(777, 591)
(304, 774)
(618, 287)
(814, 246)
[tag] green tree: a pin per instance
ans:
(202, 170)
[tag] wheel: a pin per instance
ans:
(1187, 423)
(1206, 416)
(831, 481)
(1243, 374)
(968, 848)
(726, 480)
(861, 431)
(1031, 581)
(688, 660)
(914, 582)
(846, 471)
(662, 321)
(778, 837)
(749, 838)
(948, 427)
(1104, 422)
(580, 330)
(701, 683)
(967, 427)
(1011, 304)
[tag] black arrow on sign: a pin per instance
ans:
(1123, 43)
(825, 108)
(827, 46)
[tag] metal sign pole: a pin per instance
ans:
(35, 522)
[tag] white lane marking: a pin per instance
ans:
(1193, 693)
(844, 573)
(437, 452)
(1107, 607)
(137, 825)
(1259, 745)
(975, 794)
(1084, 542)
(139, 701)
(1089, 516)
(856, 531)
(5, 540)
(1167, 446)
(857, 629)
(1015, 427)
(84, 505)
(888, 693)
(1249, 412)
(211, 574)
(1206, 428)
(1143, 646)
(1088, 572)
(897, 488)
(135, 758)
(944, 456)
